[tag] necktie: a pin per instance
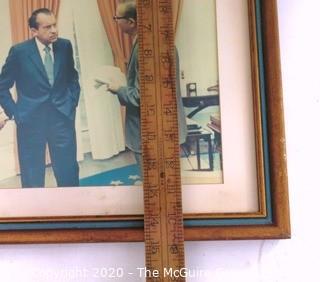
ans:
(48, 64)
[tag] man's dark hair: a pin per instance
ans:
(33, 19)
(130, 10)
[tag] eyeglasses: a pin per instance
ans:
(119, 18)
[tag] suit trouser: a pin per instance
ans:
(47, 126)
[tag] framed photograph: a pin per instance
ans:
(232, 153)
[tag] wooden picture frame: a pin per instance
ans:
(272, 219)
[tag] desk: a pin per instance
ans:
(215, 126)
(201, 102)
(204, 135)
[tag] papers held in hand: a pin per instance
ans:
(104, 75)
(98, 83)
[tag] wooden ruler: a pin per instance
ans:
(163, 219)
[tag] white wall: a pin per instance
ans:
(7, 160)
(292, 260)
(5, 31)
(196, 41)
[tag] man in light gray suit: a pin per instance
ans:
(129, 96)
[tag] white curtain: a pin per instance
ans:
(65, 24)
(104, 117)
(103, 124)
(8, 166)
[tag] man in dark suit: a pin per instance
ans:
(47, 85)
(129, 95)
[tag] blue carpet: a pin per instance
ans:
(127, 175)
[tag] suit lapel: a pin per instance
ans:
(135, 45)
(57, 58)
(36, 58)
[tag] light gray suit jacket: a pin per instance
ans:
(129, 96)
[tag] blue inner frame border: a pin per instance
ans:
(187, 222)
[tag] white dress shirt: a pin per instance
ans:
(41, 48)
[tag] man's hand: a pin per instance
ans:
(98, 83)
(113, 86)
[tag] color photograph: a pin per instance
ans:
(70, 99)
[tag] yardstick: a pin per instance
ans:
(163, 218)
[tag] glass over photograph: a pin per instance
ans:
(70, 99)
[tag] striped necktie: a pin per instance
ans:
(48, 64)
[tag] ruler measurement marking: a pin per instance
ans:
(161, 154)
(163, 210)
(159, 105)
(164, 153)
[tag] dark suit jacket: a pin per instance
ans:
(129, 96)
(24, 67)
